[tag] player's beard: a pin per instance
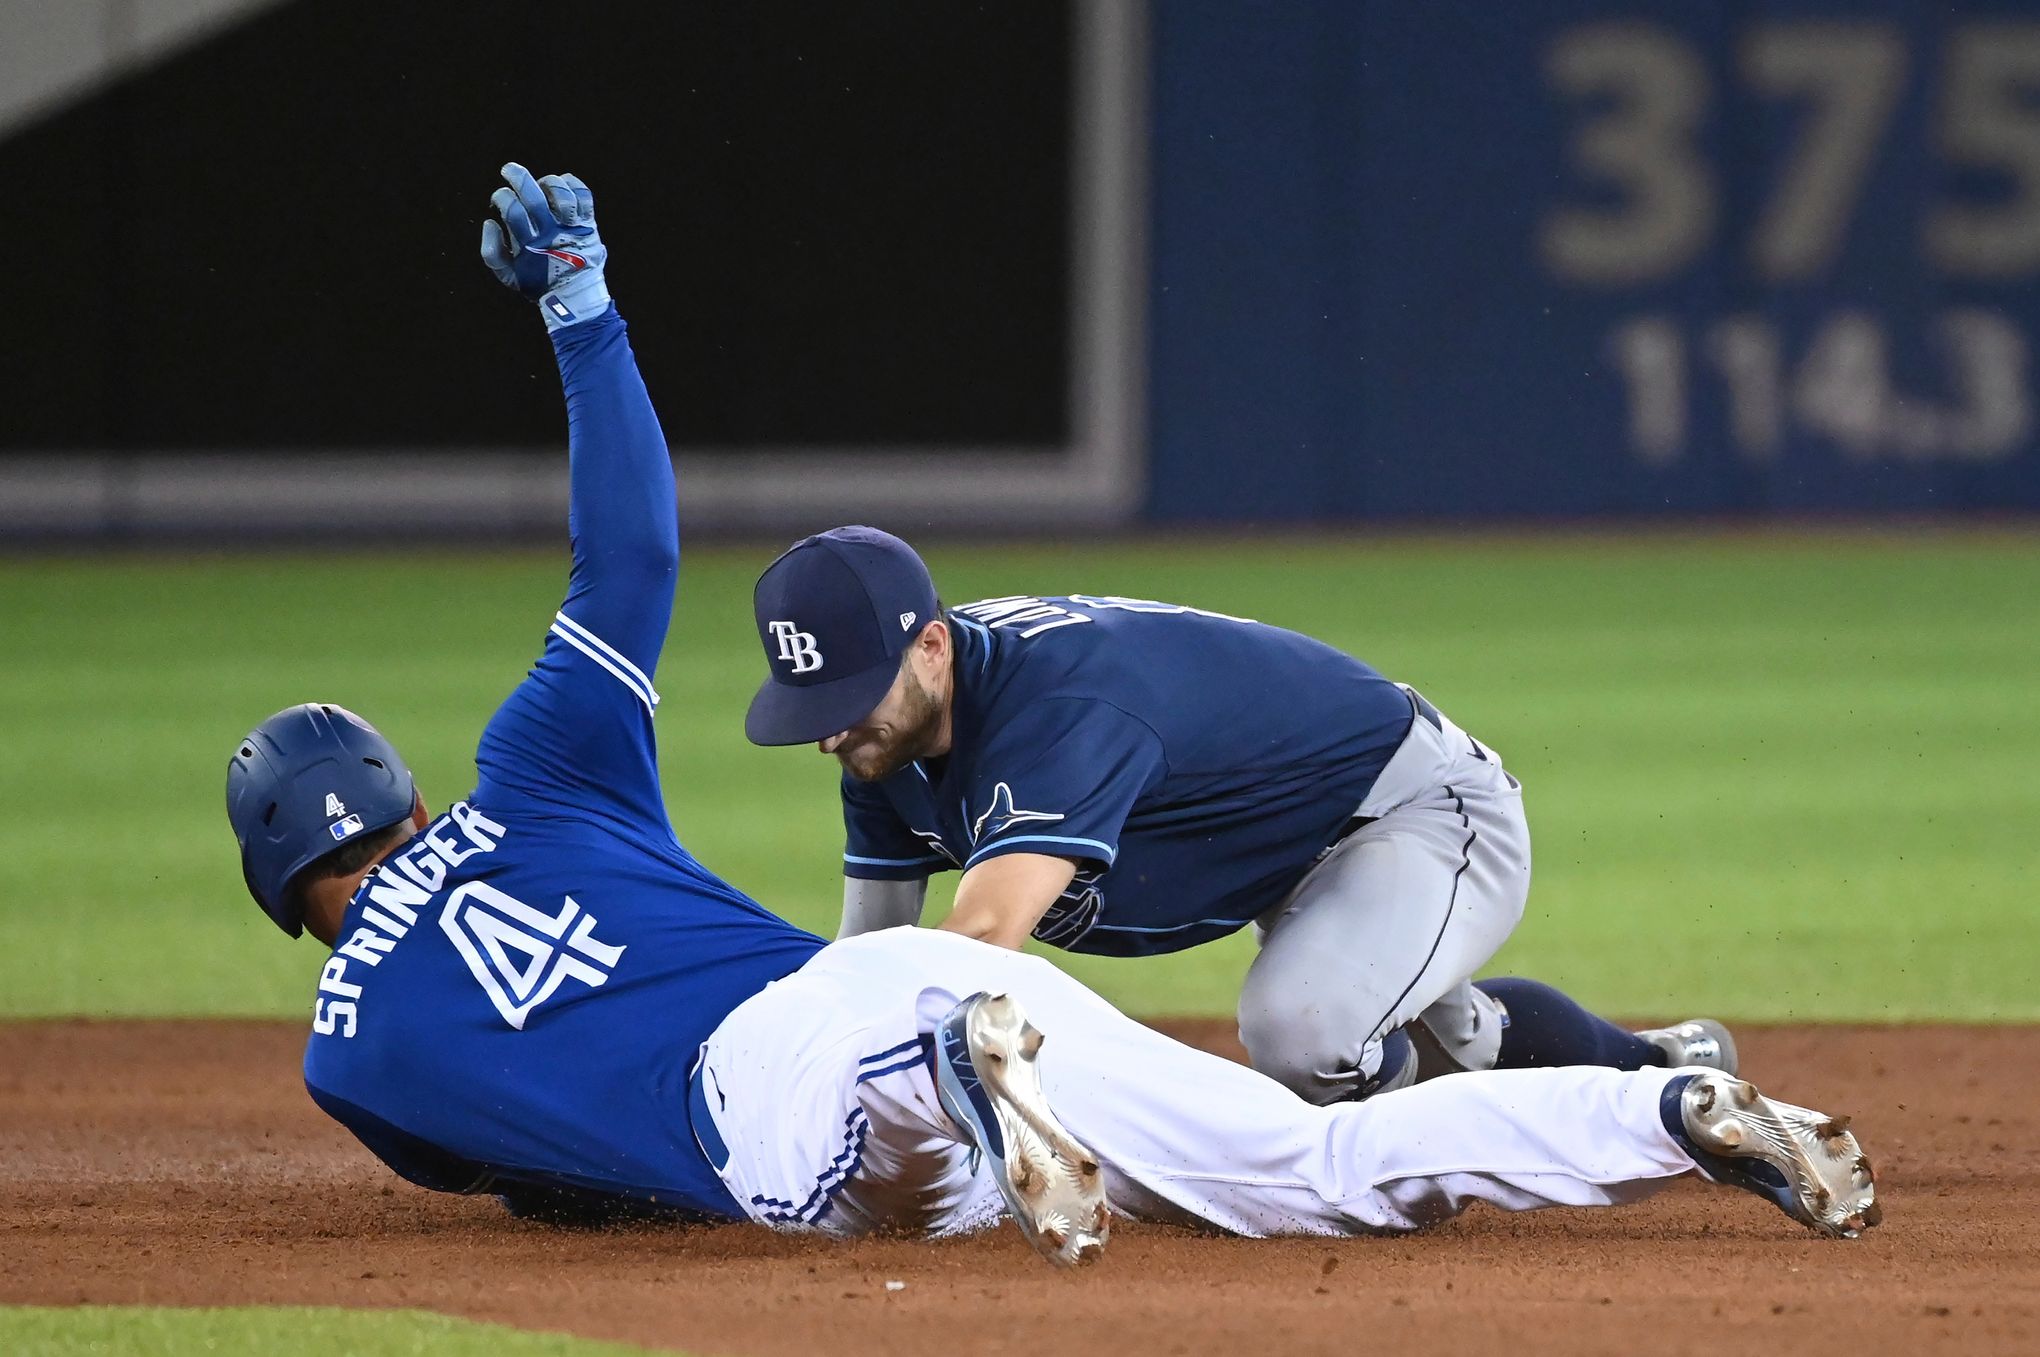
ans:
(908, 736)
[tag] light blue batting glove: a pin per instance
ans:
(545, 246)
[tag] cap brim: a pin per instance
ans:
(783, 713)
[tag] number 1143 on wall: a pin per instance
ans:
(1839, 389)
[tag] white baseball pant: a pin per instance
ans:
(824, 1114)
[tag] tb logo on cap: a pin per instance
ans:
(796, 647)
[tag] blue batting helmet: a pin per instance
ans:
(304, 782)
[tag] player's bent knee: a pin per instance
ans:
(1323, 1056)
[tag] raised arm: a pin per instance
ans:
(576, 735)
(622, 516)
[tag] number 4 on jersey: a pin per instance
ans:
(490, 928)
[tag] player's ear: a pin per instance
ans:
(928, 657)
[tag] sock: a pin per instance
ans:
(1544, 1027)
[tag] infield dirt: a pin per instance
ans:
(182, 1164)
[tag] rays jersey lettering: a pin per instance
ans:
(1028, 617)
(1025, 616)
(939, 850)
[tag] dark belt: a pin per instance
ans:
(1353, 826)
(1419, 706)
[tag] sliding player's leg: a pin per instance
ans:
(840, 1122)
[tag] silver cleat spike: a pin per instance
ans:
(988, 1082)
(1817, 1172)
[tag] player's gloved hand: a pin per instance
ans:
(545, 245)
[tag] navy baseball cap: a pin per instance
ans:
(835, 613)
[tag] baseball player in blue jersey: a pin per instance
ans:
(539, 993)
(1125, 777)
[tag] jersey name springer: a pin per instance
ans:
(519, 955)
(391, 897)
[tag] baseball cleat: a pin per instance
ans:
(985, 1075)
(1697, 1041)
(1805, 1162)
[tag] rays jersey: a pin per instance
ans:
(517, 995)
(1194, 765)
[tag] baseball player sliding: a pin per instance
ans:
(539, 993)
(1127, 777)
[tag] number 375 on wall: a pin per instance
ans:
(1648, 93)
(1643, 97)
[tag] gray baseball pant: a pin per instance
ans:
(1388, 929)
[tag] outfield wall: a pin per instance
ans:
(1061, 265)
(1467, 259)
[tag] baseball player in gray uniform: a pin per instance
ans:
(1127, 777)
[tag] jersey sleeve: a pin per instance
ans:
(880, 846)
(1061, 780)
(576, 735)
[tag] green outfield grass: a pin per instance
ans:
(136, 1331)
(1767, 778)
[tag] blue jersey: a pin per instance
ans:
(517, 995)
(1194, 765)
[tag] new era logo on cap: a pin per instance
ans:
(906, 621)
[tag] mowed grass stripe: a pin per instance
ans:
(263, 1331)
(1766, 778)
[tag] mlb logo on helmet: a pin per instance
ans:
(846, 586)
